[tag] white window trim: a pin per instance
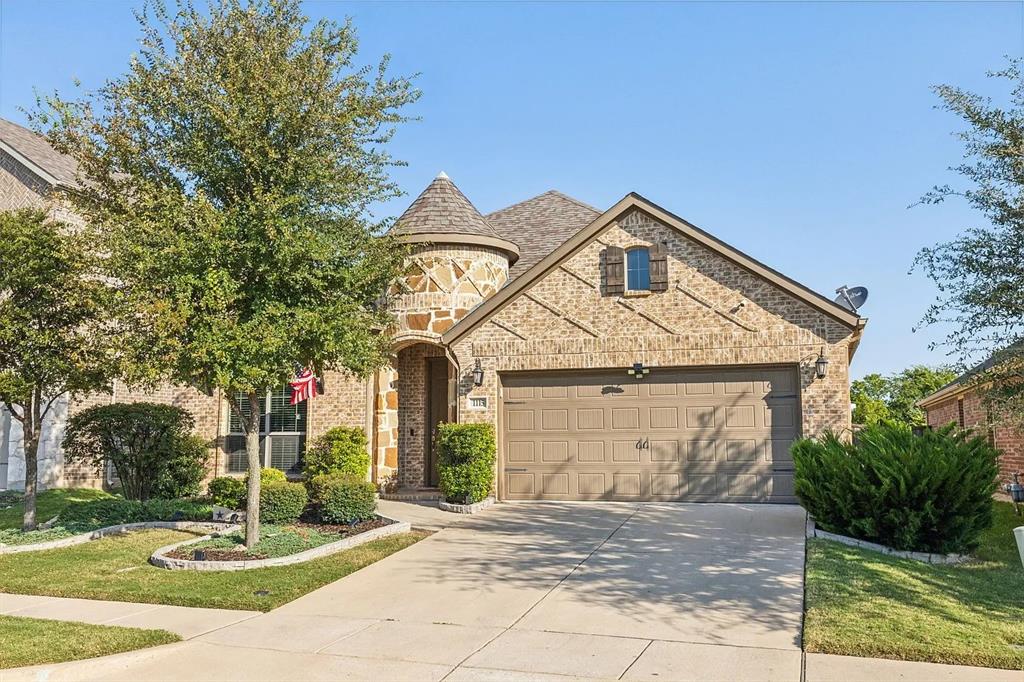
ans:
(265, 433)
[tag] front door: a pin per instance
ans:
(437, 411)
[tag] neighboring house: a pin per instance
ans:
(961, 402)
(533, 319)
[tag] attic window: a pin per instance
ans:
(638, 269)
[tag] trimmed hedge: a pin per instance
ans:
(282, 502)
(184, 472)
(342, 498)
(227, 491)
(930, 492)
(267, 475)
(111, 512)
(341, 449)
(465, 461)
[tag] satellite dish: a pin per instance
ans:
(851, 298)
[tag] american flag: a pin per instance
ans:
(303, 387)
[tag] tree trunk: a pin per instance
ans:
(252, 451)
(31, 427)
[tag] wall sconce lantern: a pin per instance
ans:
(638, 371)
(821, 364)
(478, 374)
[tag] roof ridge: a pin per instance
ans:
(553, 192)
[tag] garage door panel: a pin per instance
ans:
(707, 435)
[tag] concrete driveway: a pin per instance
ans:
(528, 591)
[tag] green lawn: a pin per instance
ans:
(117, 568)
(49, 503)
(862, 603)
(33, 641)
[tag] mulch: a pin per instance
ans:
(342, 531)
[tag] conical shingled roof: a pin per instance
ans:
(442, 214)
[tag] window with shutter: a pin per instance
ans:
(614, 271)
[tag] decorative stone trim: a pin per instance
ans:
(465, 508)
(118, 530)
(160, 558)
(925, 557)
(412, 496)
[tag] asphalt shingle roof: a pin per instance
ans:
(540, 225)
(443, 209)
(36, 149)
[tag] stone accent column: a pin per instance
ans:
(385, 461)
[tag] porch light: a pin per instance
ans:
(478, 374)
(638, 371)
(821, 364)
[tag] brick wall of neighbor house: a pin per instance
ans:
(1009, 441)
(412, 409)
(19, 187)
(564, 322)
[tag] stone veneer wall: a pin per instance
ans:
(564, 321)
(444, 282)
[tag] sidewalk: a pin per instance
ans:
(184, 621)
(828, 668)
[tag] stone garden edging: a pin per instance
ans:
(925, 557)
(465, 508)
(117, 530)
(159, 557)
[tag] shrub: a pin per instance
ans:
(282, 502)
(227, 491)
(184, 471)
(267, 475)
(149, 445)
(465, 461)
(340, 449)
(930, 492)
(342, 498)
(114, 511)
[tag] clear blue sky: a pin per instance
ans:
(799, 133)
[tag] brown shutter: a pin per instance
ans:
(659, 268)
(615, 270)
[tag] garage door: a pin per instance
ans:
(696, 435)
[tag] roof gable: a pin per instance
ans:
(629, 203)
(36, 154)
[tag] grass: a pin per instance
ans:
(117, 569)
(49, 503)
(862, 603)
(33, 641)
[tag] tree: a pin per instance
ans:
(980, 274)
(54, 327)
(893, 398)
(229, 173)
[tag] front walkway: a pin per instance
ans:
(539, 592)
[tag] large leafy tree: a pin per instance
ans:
(893, 398)
(55, 333)
(229, 173)
(980, 274)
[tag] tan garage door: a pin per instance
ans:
(697, 435)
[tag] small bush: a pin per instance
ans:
(282, 502)
(341, 449)
(227, 491)
(184, 471)
(267, 475)
(465, 461)
(149, 445)
(111, 512)
(343, 498)
(931, 492)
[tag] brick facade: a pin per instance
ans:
(1008, 440)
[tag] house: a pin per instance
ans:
(620, 354)
(962, 402)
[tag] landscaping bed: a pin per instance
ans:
(117, 568)
(863, 603)
(35, 641)
(276, 541)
